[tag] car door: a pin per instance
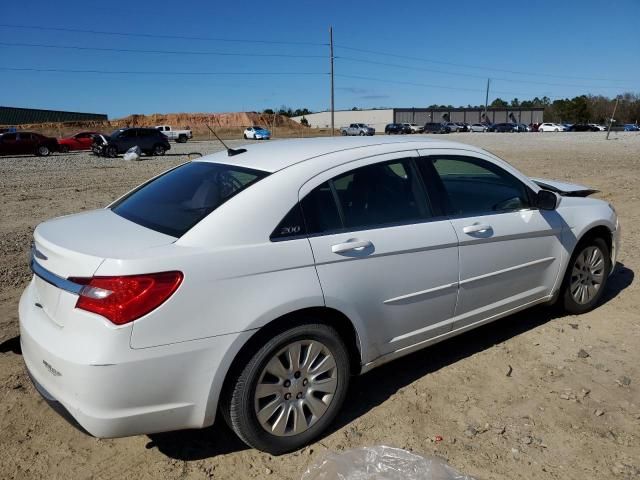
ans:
(26, 143)
(382, 255)
(82, 141)
(510, 251)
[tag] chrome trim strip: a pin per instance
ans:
(507, 270)
(53, 279)
(420, 293)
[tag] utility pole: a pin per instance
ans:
(613, 115)
(486, 100)
(331, 62)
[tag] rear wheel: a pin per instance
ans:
(290, 390)
(43, 151)
(586, 276)
(158, 150)
(181, 139)
(64, 148)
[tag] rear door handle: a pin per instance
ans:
(350, 245)
(477, 228)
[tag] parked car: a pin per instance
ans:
(27, 143)
(583, 127)
(631, 127)
(257, 133)
(533, 127)
(504, 127)
(453, 127)
(359, 129)
(180, 136)
(415, 128)
(479, 127)
(150, 141)
(600, 127)
(396, 128)
(255, 285)
(433, 127)
(79, 141)
(523, 127)
(551, 127)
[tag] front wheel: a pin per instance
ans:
(344, 134)
(586, 276)
(181, 139)
(290, 390)
(111, 151)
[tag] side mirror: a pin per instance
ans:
(547, 200)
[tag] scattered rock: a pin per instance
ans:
(527, 440)
(582, 353)
(585, 392)
(515, 453)
(509, 370)
(598, 412)
(564, 396)
(268, 471)
(623, 381)
(471, 431)
(498, 429)
(574, 326)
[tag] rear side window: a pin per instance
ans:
(320, 210)
(176, 201)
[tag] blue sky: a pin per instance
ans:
(443, 53)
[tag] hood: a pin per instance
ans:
(564, 188)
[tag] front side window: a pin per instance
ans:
(176, 201)
(474, 187)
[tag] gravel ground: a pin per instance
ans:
(535, 395)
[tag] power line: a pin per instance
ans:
(471, 75)
(478, 67)
(446, 87)
(139, 72)
(170, 52)
(155, 35)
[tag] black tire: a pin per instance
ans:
(64, 148)
(238, 407)
(344, 133)
(569, 303)
(158, 150)
(245, 136)
(43, 151)
(362, 134)
(111, 151)
(181, 139)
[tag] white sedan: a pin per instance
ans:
(256, 133)
(551, 127)
(249, 283)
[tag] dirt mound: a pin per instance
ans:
(227, 124)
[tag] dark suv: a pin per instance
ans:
(150, 141)
(396, 128)
(432, 127)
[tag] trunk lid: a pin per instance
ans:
(75, 246)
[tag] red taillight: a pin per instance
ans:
(126, 298)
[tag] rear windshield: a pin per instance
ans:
(179, 199)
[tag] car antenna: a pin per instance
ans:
(230, 151)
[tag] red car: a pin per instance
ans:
(27, 143)
(80, 141)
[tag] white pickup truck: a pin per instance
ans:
(180, 136)
(357, 129)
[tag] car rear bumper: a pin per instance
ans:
(96, 379)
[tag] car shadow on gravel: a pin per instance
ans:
(375, 387)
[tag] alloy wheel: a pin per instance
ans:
(295, 388)
(587, 275)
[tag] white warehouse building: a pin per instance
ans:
(379, 118)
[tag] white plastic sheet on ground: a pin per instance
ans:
(381, 463)
(134, 153)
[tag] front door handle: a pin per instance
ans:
(477, 228)
(350, 245)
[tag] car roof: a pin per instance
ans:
(276, 155)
